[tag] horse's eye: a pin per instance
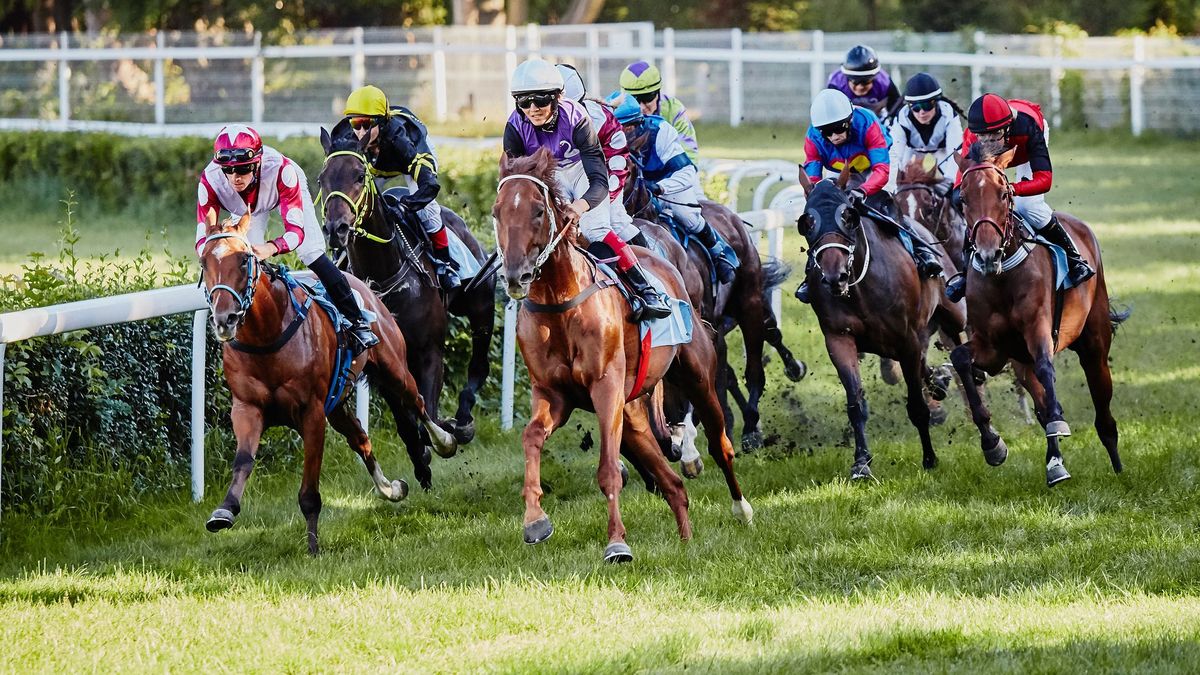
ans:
(362, 177)
(539, 210)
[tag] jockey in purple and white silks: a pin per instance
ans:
(867, 85)
(544, 119)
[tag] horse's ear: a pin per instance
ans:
(505, 164)
(243, 223)
(1004, 159)
(805, 183)
(960, 158)
(844, 177)
(326, 140)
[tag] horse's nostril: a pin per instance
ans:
(526, 278)
(844, 276)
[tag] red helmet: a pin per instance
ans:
(237, 144)
(989, 113)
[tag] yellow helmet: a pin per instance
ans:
(369, 100)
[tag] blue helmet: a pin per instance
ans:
(629, 112)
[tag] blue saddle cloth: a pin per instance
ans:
(1062, 280)
(673, 329)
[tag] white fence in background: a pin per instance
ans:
(460, 74)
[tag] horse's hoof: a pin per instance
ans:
(1056, 472)
(1057, 428)
(938, 414)
(861, 472)
(675, 454)
(796, 370)
(743, 511)
(978, 375)
(221, 519)
(464, 433)
(929, 463)
(398, 492)
(752, 441)
(618, 552)
(691, 468)
(539, 530)
(624, 473)
(996, 455)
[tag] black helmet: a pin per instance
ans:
(920, 87)
(861, 62)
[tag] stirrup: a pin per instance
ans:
(653, 304)
(364, 337)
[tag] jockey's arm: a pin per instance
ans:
(894, 101)
(291, 209)
(594, 165)
(877, 153)
(423, 168)
(681, 172)
(1039, 164)
(813, 162)
(514, 147)
(682, 124)
(900, 154)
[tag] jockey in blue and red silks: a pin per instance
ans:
(246, 176)
(866, 84)
(844, 135)
(1007, 124)
(543, 118)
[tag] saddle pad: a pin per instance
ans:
(468, 266)
(317, 290)
(674, 329)
(1062, 280)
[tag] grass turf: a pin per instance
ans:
(962, 569)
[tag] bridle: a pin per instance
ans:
(849, 248)
(364, 204)
(556, 235)
(1007, 231)
(245, 297)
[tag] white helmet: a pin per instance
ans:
(830, 106)
(536, 75)
(573, 87)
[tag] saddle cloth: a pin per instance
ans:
(674, 329)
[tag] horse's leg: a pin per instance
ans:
(752, 321)
(607, 399)
(734, 389)
(722, 383)
(313, 432)
(1045, 408)
(548, 411)
(1092, 348)
(994, 449)
(689, 459)
(913, 366)
(347, 425)
(410, 434)
(432, 370)
(399, 389)
(247, 428)
(482, 318)
(795, 370)
(843, 352)
(644, 452)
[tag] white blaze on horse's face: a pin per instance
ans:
(226, 281)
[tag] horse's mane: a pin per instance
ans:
(916, 174)
(986, 151)
(540, 165)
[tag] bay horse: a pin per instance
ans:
(868, 297)
(280, 366)
(1011, 308)
(745, 303)
(582, 352)
(390, 260)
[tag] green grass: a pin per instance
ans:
(965, 568)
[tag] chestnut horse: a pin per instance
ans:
(388, 258)
(583, 352)
(1011, 306)
(279, 371)
(868, 297)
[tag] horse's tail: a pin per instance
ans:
(1118, 315)
(775, 272)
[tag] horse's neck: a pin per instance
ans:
(564, 275)
(264, 319)
(372, 259)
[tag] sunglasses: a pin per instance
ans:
(834, 129)
(527, 101)
(360, 123)
(241, 169)
(923, 106)
(862, 81)
(645, 98)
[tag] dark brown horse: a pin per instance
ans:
(1011, 304)
(391, 261)
(280, 367)
(745, 303)
(868, 297)
(583, 352)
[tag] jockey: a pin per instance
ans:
(865, 84)
(616, 153)
(643, 82)
(1018, 124)
(403, 150)
(246, 176)
(927, 124)
(670, 174)
(843, 134)
(545, 119)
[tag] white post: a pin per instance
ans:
(816, 69)
(441, 103)
(510, 64)
(1056, 78)
(977, 69)
(668, 62)
(358, 62)
(1137, 76)
(508, 376)
(160, 89)
(646, 37)
(593, 66)
(362, 402)
(3, 348)
(775, 250)
(199, 333)
(735, 77)
(533, 40)
(64, 79)
(257, 81)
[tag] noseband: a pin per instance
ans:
(556, 235)
(365, 203)
(245, 297)
(848, 248)
(1006, 231)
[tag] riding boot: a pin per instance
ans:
(956, 287)
(723, 254)
(924, 255)
(1078, 269)
(447, 267)
(652, 304)
(342, 297)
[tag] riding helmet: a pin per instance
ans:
(989, 113)
(237, 144)
(368, 101)
(628, 112)
(860, 62)
(830, 107)
(921, 87)
(573, 87)
(640, 77)
(534, 76)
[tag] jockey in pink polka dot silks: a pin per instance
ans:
(246, 176)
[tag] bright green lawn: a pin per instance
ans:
(965, 569)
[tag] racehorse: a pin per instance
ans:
(868, 297)
(582, 352)
(744, 303)
(280, 366)
(1015, 313)
(390, 259)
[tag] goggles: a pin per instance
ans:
(646, 98)
(236, 156)
(240, 169)
(361, 122)
(862, 81)
(923, 106)
(834, 129)
(527, 101)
